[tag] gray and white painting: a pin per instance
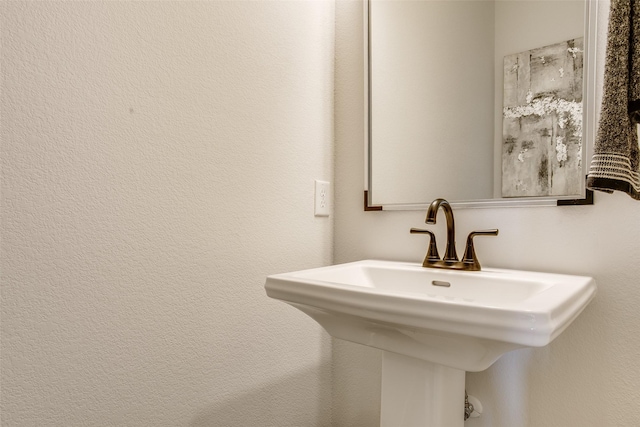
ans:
(542, 121)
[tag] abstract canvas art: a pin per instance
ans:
(542, 121)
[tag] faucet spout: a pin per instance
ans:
(450, 254)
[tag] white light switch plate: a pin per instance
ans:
(322, 207)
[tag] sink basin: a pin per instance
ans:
(458, 319)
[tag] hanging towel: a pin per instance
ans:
(616, 160)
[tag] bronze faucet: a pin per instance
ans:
(432, 260)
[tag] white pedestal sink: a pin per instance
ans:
(433, 324)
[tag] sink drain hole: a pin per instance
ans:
(440, 283)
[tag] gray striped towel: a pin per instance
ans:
(616, 160)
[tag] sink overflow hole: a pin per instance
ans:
(440, 283)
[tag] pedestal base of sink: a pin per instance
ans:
(417, 393)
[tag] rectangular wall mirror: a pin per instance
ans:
(484, 103)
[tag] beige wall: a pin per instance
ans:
(158, 161)
(590, 375)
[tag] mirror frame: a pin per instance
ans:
(588, 112)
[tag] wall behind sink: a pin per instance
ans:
(587, 377)
(158, 161)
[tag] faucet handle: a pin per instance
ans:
(469, 253)
(432, 253)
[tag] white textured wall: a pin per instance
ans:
(590, 375)
(158, 161)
